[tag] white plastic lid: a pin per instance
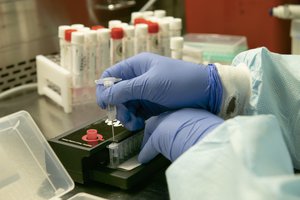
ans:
(77, 26)
(77, 38)
(103, 34)
(61, 30)
(90, 37)
(29, 167)
(176, 43)
(114, 23)
(135, 15)
(141, 29)
(160, 13)
(168, 18)
(129, 31)
(147, 14)
(153, 19)
(84, 29)
(176, 24)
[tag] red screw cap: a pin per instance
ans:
(68, 34)
(117, 33)
(153, 27)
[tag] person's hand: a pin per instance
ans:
(152, 84)
(172, 133)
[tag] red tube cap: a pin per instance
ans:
(97, 27)
(139, 21)
(117, 33)
(68, 34)
(153, 27)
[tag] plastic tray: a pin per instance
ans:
(216, 47)
(29, 168)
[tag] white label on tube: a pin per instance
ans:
(153, 44)
(78, 65)
(116, 52)
(128, 47)
(91, 64)
(140, 44)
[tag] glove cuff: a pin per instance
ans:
(236, 82)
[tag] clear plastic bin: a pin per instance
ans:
(217, 48)
(29, 167)
(85, 196)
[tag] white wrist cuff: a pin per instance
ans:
(236, 82)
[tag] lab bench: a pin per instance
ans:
(52, 121)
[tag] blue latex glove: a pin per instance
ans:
(152, 84)
(172, 133)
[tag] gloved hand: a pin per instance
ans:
(172, 133)
(152, 84)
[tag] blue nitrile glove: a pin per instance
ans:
(172, 133)
(152, 84)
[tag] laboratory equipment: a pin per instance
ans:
(90, 43)
(217, 48)
(89, 160)
(128, 43)
(78, 62)
(111, 109)
(140, 40)
(164, 35)
(153, 42)
(29, 165)
(175, 27)
(116, 49)
(287, 11)
(176, 46)
(68, 49)
(103, 51)
(62, 42)
(160, 13)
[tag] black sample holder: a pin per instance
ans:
(87, 160)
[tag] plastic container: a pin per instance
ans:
(217, 48)
(85, 196)
(295, 35)
(29, 167)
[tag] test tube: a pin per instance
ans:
(116, 51)
(103, 50)
(114, 23)
(91, 47)
(176, 47)
(111, 109)
(160, 13)
(153, 42)
(62, 43)
(140, 40)
(164, 35)
(128, 42)
(114, 159)
(135, 15)
(77, 59)
(175, 27)
(68, 50)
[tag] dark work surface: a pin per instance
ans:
(153, 188)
